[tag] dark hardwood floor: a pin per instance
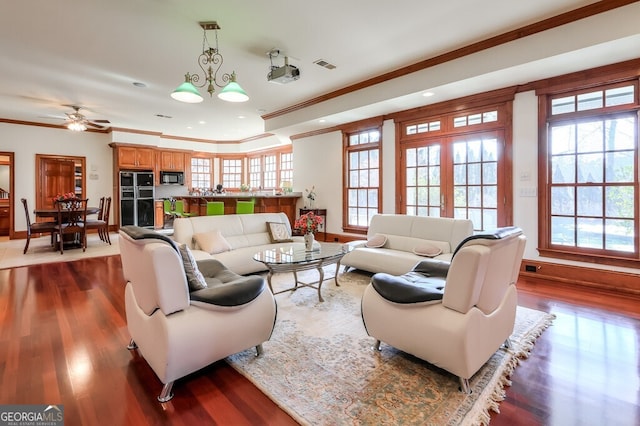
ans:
(63, 341)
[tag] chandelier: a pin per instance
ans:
(210, 61)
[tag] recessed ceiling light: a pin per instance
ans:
(139, 84)
(241, 117)
(322, 120)
(202, 122)
(427, 94)
(189, 127)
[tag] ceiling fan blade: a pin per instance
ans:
(54, 117)
(97, 126)
(101, 121)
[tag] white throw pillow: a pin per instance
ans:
(427, 250)
(195, 279)
(378, 240)
(212, 242)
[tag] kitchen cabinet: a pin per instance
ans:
(159, 214)
(132, 157)
(171, 161)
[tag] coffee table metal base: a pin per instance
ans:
(295, 268)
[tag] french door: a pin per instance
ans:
(461, 176)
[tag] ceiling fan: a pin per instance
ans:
(78, 122)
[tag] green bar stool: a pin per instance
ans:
(215, 208)
(244, 207)
(180, 210)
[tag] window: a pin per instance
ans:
(456, 166)
(269, 180)
(362, 169)
(591, 173)
(266, 167)
(255, 172)
(286, 169)
(201, 170)
(231, 172)
(475, 179)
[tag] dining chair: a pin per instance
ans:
(215, 208)
(244, 207)
(101, 224)
(72, 216)
(104, 232)
(169, 211)
(180, 210)
(36, 227)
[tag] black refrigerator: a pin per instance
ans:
(137, 199)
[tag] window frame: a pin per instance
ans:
(563, 86)
(261, 157)
(349, 149)
(221, 172)
(211, 168)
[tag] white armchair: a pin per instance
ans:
(177, 331)
(452, 315)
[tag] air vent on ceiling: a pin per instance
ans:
(324, 64)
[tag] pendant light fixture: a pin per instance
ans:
(210, 61)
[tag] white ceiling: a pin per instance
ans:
(59, 53)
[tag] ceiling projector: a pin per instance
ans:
(283, 75)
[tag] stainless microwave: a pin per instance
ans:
(172, 178)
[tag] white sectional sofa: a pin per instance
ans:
(243, 235)
(405, 236)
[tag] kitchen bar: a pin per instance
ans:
(263, 203)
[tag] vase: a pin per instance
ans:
(308, 241)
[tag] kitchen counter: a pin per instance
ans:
(264, 203)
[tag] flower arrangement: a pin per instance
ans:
(67, 196)
(308, 223)
(244, 187)
(311, 194)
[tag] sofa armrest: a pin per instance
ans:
(356, 244)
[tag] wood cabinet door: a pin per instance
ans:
(159, 214)
(145, 158)
(127, 156)
(135, 158)
(171, 161)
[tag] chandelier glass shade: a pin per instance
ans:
(76, 126)
(210, 62)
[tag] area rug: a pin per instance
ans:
(320, 367)
(40, 251)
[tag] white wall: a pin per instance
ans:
(27, 141)
(525, 168)
(317, 161)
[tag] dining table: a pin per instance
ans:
(52, 213)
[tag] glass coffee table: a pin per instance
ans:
(294, 258)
